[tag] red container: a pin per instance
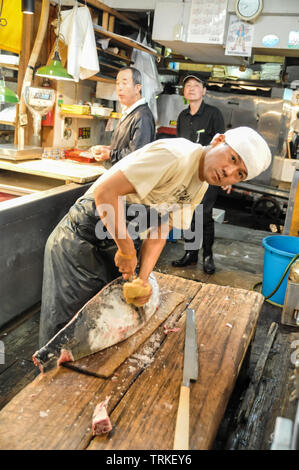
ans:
(48, 120)
(74, 154)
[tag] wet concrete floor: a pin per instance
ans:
(238, 256)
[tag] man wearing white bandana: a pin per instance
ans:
(173, 172)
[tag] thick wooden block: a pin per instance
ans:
(55, 410)
(145, 418)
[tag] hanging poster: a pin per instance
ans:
(207, 21)
(239, 37)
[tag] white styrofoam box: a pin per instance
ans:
(101, 111)
(283, 169)
(218, 215)
(9, 59)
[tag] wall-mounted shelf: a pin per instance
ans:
(9, 66)
(124, 41)
(95, 78)
(77, 116)
(8, 123)
(85, 116)
(117, 56)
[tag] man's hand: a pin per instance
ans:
(227, 188)
(101, 152)
(126, 264)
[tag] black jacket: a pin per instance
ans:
(207, 117)
(135, 131)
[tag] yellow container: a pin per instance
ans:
(115, 115)
(74, 109)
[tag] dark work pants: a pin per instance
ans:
(75, 268)
(208, 203)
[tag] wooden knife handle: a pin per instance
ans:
(181, 436)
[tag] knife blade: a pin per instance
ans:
(190, 372)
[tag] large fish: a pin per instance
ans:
(106, 319)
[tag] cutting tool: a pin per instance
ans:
(190, 372)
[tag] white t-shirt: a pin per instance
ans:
(295, 125)
(165, 176)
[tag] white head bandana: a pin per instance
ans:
(251, 147)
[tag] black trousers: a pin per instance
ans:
(294, 145)
(208, 203)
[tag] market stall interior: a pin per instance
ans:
(242, 332)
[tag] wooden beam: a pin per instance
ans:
(27, 40)
(105, 19)
(111, 23)
(111, 11)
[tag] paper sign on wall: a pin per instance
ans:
(239, 37)
(207, 21)
(293, 40)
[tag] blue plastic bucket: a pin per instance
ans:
(279, 250)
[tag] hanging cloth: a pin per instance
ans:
(77, 32)
(151, 85)
(11, 24)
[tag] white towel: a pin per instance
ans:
(78, 33)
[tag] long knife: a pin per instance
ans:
(190, 372)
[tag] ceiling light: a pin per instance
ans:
(6, 95)
(55, 70)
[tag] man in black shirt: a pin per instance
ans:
(199, 123)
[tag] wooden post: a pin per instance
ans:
(27, 40)
(111, 23)
(105, 20)
(42, 18)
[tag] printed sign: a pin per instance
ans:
(293, 40)
(239, 37)
(207, 21)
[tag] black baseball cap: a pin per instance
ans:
(195, 78)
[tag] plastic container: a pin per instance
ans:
(279, 250)
(101, 111)
(75, 154)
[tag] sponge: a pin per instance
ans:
(133, 290)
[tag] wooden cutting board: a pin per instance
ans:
(105, 363)
(59, 169)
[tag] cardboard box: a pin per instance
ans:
(283, 168)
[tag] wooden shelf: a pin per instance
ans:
(129, 43)
(77, 116)
(8, 123)
(109, 66)
(102, 79)
(117, 56)
(84, 116)
(9, 66)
